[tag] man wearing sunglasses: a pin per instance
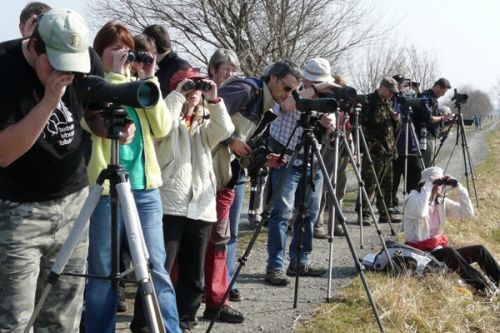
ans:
(246, 100)
(317, 79)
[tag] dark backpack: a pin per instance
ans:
(404, 258)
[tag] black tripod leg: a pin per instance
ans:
(341, 218)
(300, 221)
(468, 160)
(443, 139)
(244, 257)
(359, 203)
(331, 209)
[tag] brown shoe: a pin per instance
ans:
(320, 234)
(383, 219)
(338, 230)
(367, 220)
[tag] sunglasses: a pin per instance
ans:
(286, 87)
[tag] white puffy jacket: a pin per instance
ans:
(185, 158)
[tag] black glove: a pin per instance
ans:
(450, 181)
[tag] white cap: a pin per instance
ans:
(318, 70)
(66, 40)
(432, 173)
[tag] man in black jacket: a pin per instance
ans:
(434, 118)
(168, 61)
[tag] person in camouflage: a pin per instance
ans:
(379, 123)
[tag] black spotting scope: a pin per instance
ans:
(137, 94)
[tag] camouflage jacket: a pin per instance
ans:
(378, 125)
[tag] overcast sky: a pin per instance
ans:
(463, 35)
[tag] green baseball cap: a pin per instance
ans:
(66, 40)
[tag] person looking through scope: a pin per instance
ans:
(409, 153)
(379, 123)
(328, 154)
(425, 215)
(113, 42)
(43, 183)
(317, 79)
(247, 99)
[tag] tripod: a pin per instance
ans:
(360, 141)
(121, 196)
(310, 149)
(467, 159)
(408, 129)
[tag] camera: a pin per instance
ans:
(143, 57)
(345, 96)
(321, 105)
(258, 142)
(197, 84)
(345, 93)
(448, 181)
(459, 98)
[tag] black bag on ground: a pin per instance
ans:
(405, 258)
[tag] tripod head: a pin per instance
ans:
(115, 118)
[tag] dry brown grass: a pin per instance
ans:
(435, 303)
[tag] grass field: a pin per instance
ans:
(435, 303)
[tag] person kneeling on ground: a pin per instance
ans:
(425, 215)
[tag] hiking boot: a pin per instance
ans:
(338, 230)
(121, 304)
(308, 270)
(277, 278)
(234, 295)
(367, 220)
(228, 314)
(320, 234)
(383, 219)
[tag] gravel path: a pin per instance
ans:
(270, 309)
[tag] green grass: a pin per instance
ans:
(434, 303)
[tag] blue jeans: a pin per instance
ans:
(282, 212)
(234, 223)
(100, 306)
